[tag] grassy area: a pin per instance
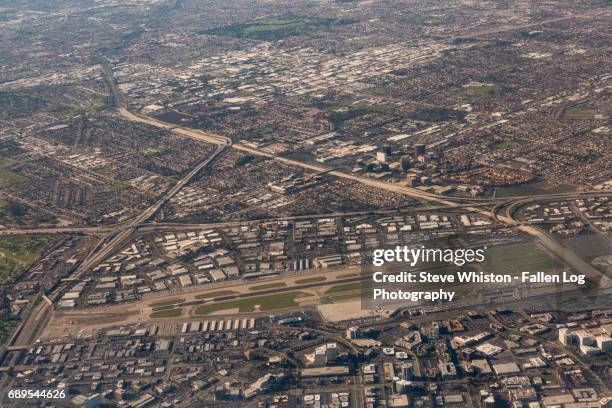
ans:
(167, 313)
(501, 144)
(6, 327)
(517, 258)
(541, 187)
(99, 104)
(344, 287)
(483, 90)
(8, 178)
(15, 213)
(342, 104)
(167, 302)
(547, 376)
(264, 130)
(265, 303)
(116, 187)
(215, 294)
(269, 286)
(18, 254)
(514, 164)
(581, 112)
(160, 151)
(5, 162)
(311, 280)
(338, 118)
(99, 122)
(438, 114)
(276, 28)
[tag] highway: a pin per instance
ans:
(506, 214)
(216, 139)
(126, 230)
(502, 207)
(59, 230)
(37, 318)
(120, 238)
(116, 239)
(554, 247)
(160, 226)
(391, 187)
(118, 235)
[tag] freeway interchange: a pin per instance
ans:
(115, 237)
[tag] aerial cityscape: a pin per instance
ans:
(306, 203)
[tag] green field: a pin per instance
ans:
(116, 187)
(483, 90)
(8, 178)
(342, 104)
(581, 112)
(344, 287)
(266, 130)
(167, 313)
(501, 144)
(514, 164)
(160, 151)
(215, 294)
(167, 302)
(547, 376)
(311, 280)
(438, 114)
(269, 286)
(517, 258)
(266, 303)
(99, 104)
(276, 28)
(5, 162)
(540, 187)
(99, 122)
(18, 254)
(344, 291)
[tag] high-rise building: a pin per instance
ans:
(405, 371)
(402, 386)
(324, 354)
(405, 161)
(332, 351)
(419, 149)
